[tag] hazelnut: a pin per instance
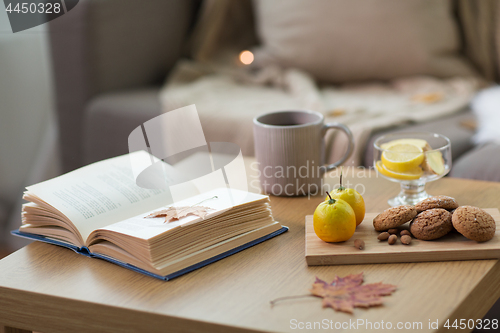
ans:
(392, 239)
(405, 232)
(383, 236)
(359, 244)
(406, 239)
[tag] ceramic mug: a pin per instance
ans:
(290, 151)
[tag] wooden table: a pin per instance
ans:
(51, 289)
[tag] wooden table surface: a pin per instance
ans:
(50, 289)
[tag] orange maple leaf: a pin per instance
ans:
(343, 294)
(176, 213)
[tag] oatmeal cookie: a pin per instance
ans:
(393, 217)
(474, 223)
(431, 224)
(439, 201)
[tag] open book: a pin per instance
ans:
(99, 211)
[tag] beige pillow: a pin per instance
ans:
(347, 40)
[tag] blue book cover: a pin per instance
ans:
(102, 199)
(85, 251)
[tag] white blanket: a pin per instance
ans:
(486, 106)
(228, 99)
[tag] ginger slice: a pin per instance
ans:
(434, 162)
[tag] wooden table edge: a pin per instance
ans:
(471, 307)
(45, 313)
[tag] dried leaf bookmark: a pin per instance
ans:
(176, 213)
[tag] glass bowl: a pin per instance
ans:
(412, 159)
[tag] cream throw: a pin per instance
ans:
(228, 98)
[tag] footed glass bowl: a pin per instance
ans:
(412, 159)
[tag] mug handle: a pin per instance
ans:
(350, 147)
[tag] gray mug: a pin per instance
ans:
(290, 151)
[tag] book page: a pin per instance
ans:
(218, 200)
(100, 194)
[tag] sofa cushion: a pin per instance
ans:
(344, 40)
(450, 126)
(481, 163)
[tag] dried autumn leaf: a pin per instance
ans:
(343, 294)
(176, 213)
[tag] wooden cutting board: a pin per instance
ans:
(453, 246)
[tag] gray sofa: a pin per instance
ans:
(109, 59)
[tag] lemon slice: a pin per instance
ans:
(402, 157)
(434, 162)
(417, 142)
(411, 175)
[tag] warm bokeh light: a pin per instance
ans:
(246, 57)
